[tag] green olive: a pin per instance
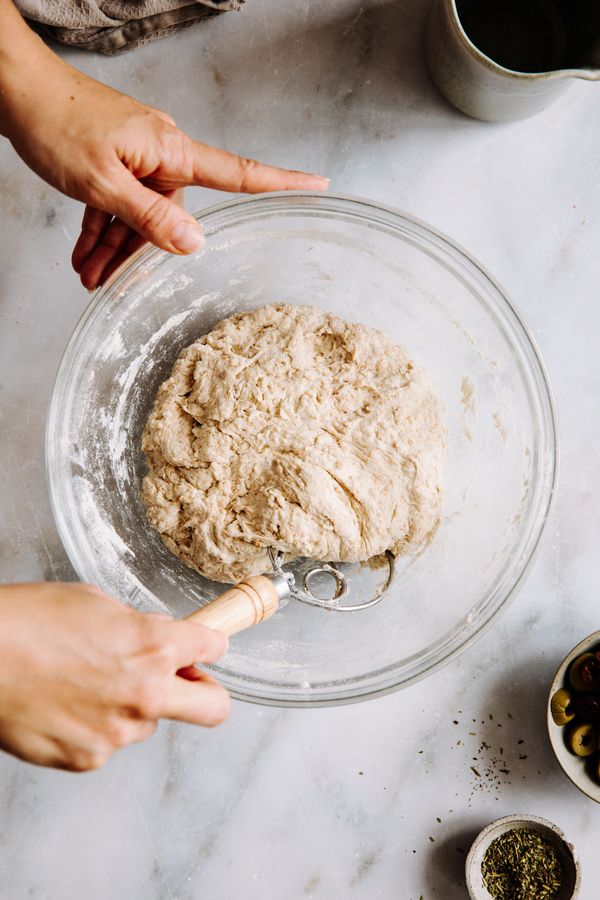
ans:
(561, 707)
(575, 673)
(583, 740)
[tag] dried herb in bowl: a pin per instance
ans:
(522, 865)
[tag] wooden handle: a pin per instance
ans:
(251, 601)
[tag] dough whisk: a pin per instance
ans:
(256, 598)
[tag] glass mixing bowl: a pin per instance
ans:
(369, 264)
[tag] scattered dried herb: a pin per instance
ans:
(522, 865)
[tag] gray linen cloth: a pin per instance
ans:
(111, 26)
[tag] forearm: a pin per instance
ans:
(23, 56)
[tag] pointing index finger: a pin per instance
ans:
(223, 171)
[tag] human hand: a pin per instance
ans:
(125, 160)
(81, 675)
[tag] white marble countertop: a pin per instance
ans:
(376, 800)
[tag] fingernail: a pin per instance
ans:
(320, 181)
(187, 237)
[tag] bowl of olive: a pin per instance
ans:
(574, 716)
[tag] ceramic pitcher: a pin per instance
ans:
(501, 60)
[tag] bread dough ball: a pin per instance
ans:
(288, 427)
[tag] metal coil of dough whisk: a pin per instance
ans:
(305, 594)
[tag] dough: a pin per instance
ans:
(289, 427)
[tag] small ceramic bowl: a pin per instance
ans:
(576, 769)
(550, 832)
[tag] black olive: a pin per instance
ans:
(587, 707)
(590, 673)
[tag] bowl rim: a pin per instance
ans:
(555, 731)
(374, 212)
(507, 823)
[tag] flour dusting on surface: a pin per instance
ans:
(469, 404)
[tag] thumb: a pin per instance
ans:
(156, 218)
